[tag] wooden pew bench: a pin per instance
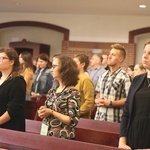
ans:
(32, 106)
(98, 132)
(87, 130)
(15, 140)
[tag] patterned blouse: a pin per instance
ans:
(66, 102)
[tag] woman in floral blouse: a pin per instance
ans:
(61, 110)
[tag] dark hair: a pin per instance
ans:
(131, 67)
(27, 57)
(45, 57)
(83, 59)
(121, 48)
(12, 55)
(68, 70)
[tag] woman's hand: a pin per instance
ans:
(122, 144)
(44, 112)
(35, 95)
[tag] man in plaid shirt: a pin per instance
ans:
(113, 87)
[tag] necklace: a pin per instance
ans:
(148, 82)
(59, 93)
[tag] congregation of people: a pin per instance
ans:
(80, 87)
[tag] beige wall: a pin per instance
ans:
(94, 28)
(33, 34)
(140, 40)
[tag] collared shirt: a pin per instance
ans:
(95, 74)
(114, 87)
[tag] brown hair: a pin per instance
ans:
(68, 70)
(27, 57)
(45, 57)
(131, 67)
(141, 66)
(121, 48)
(12, 55)
(83, 59)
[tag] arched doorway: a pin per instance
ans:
(133, 33)
(37, 24)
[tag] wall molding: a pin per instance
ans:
(133, 33)
(37, 24)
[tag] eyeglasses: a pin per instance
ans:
(54, 66)
(2, 58)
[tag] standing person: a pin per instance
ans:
(130, 71)
(35, 65)
(134, 129)
(85, 86)
(43, 79)
(95, 74)
(139, 69)
(61, 110)
(96, 69)
(12, 91)
(26, 63)
(104, 62)
(114, 87)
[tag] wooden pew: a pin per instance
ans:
(30, 109)
(15, 140)
(97, 132)
(87, 130)
(32, 106)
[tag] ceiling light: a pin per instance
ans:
(142, 6)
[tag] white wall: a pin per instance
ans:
(97, 28)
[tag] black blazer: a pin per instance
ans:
(127, 113)
(12, 100)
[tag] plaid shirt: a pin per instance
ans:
(114, 87)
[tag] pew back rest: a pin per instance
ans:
(98, 132)
(32, 106)
(87, 130)
(16, 140)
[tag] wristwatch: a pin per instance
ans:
(110, 104)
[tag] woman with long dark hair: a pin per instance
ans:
(26, 63)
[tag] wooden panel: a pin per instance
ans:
(105, 133)
(34, 48)
(87, 130)
(15, 140)
(32, 106)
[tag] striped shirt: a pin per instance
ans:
(114, 87)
